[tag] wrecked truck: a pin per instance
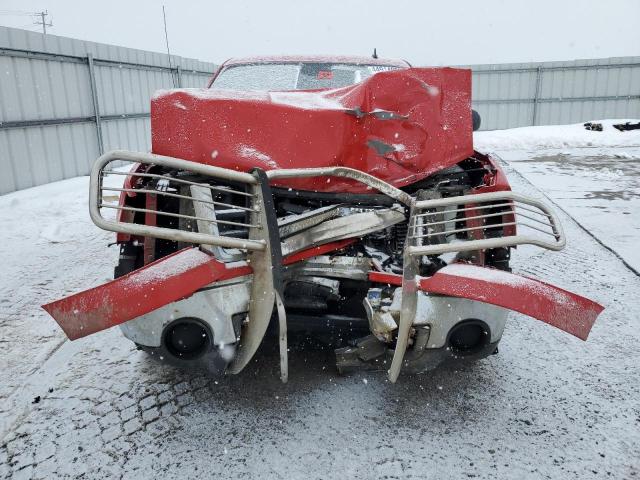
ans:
(314, 193)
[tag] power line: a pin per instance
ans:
(166, 37)
(17, 13)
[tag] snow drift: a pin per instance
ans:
(557, 137)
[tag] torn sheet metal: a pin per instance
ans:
(348, 226)
(142, 291)
(353, 268)
(160, 283)
(550, 304)
(565, 310)
(297, 223)
(422, 115)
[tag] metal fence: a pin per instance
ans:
(64, 101)
(552, 93)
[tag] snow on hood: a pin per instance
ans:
(310, 100)
(399, 126)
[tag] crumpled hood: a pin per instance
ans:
(399, 126)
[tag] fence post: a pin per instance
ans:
(179, 71)
(96, 104)
(536, 98)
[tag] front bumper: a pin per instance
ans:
(145, 296)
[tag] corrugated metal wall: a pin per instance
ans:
(553, 93)
(50, 87)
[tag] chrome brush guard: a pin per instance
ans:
(262, 254)
(468, 223)
(97, 189)
(436, 226)
(528, 222)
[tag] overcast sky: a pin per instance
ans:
(423, 32)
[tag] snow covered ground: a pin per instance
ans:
(594, 176)
(558, 137)
(547, 406)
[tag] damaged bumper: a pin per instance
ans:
(232, 284)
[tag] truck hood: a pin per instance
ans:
(400, 126)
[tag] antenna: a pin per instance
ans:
(166, 37)
(375, 54)
(43, 21)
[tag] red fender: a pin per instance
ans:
(166, 280)
(562, 309)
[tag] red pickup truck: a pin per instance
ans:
(337, 197)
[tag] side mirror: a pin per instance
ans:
(475, 120)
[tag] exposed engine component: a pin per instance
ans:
(311, 293)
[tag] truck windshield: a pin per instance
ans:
(294, 76)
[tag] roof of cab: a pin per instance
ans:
(318, 59)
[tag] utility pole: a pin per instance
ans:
(43, 20)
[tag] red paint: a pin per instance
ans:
(478, 234)
(126, 216)
(164, 281)
(315, 251)
(562, 309)
(496, 181)
(384, 277)
(130, 296)
(290, 130)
